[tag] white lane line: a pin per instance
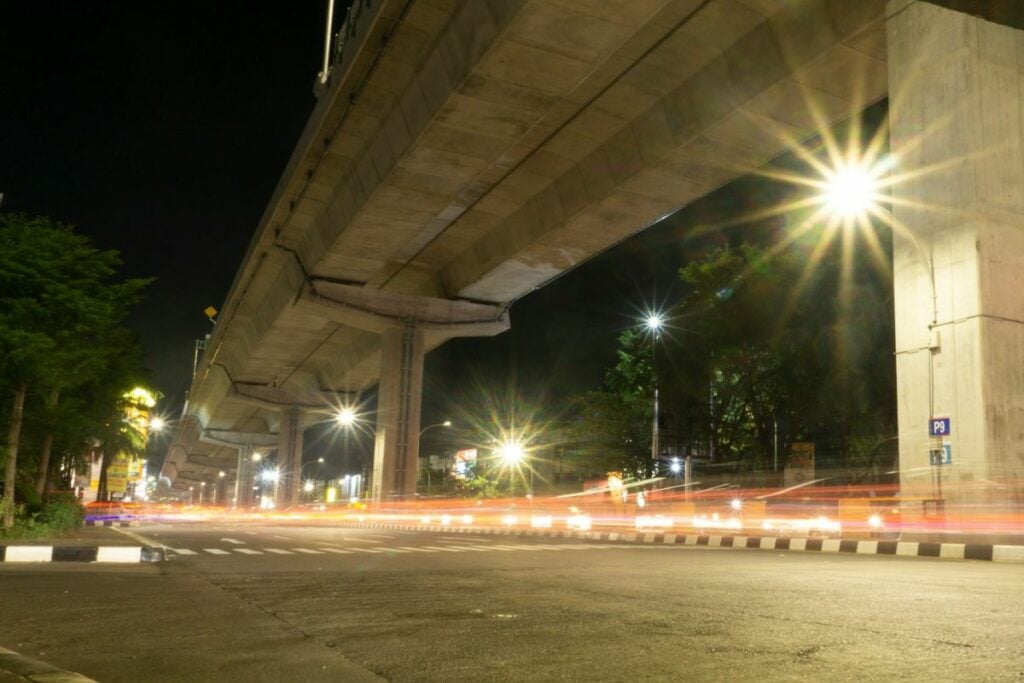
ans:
(375, 551)
(339, 551)
(551, 547)
(463, 539)
(393, 550)
(418, 550)
(308, 551)
(376, 536)
(475, 549)
(278, 551)
(233, 540)
(283, 538)
(182, 551)
(247, 551)
(447, 550)
(216, 551)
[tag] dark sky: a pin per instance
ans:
(160, 130)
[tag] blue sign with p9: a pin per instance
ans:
(939, 426)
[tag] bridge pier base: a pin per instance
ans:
(399, 399)
(289, 456)
(958, 256)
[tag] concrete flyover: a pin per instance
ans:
(463, 154)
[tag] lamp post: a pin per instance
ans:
(446, 423)
(202, 490)
(513, 454)
(654, 324)
(318, 461)
(218, 485)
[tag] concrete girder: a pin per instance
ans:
(233, 439)
(378, 311)
(280, 398)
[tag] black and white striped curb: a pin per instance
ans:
(103, 553)
(34, 670)
(952, 551)
(110, 522)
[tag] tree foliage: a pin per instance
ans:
(765, 349)
(64, 356)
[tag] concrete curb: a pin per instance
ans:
(946, 551)
(34, 670)
(109, 522)
(113, 554)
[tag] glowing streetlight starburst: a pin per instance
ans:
(346, 417)
(850, 192)
(654, 322)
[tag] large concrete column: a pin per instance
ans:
(243, 477)
(956, 87)
(400, 395)
(289, 455)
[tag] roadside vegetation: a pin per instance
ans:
(67, 363)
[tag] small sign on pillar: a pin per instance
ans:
(939, 426)
(942, 455)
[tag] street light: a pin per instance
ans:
(654, 324)
(513, 455)
(346, 417)
(202, 489)
(446, 423)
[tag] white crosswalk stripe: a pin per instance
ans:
(400, 550)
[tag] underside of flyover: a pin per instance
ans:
(463, 154)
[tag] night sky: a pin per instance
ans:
(161, 131)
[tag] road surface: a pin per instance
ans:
(273, 603)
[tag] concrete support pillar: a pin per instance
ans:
(289, 456)
(400, 395)
(243, 477)
(956, 84)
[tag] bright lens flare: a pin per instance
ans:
(346, 417)
(850, 192)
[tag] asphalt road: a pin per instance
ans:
(259, 603)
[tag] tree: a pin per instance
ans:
(612, 428)
(60, 307)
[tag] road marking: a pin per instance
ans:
(137, 537)
(418, 550)
(283, 538)
(447, 550)
(216, 551)
(233, 540)
(278, 551)
(308, 551)
(338, 551)
(551, 547)
(251, 533)
(247, 551)
(456, 539)
(392, 550)
(183, 551)
(368, 550)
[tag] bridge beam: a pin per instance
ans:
(957, 129)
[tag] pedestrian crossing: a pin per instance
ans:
(324, 549)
